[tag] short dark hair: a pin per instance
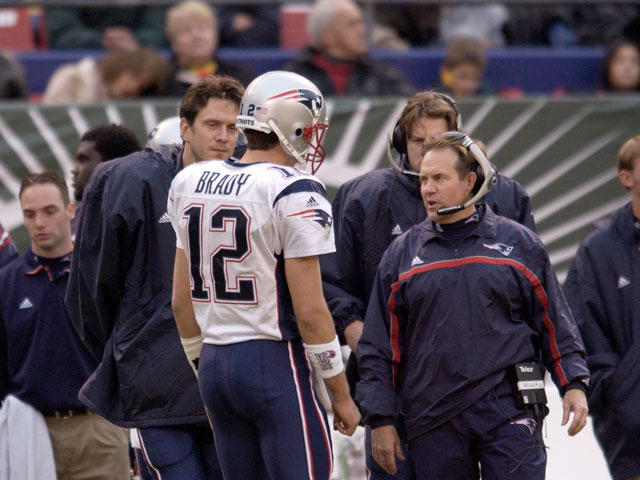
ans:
(465, 50)
(213, 86)
(43, 178)
(113, 141)
(260, 141)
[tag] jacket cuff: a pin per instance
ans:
(376, 422)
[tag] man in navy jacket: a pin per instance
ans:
(458, 300)
(120, 289)
(372, 210)
(42, 360)
(603, 290)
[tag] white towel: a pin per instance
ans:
(25, 445)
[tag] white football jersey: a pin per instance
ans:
(237, 223)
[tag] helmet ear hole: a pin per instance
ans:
(298, 132)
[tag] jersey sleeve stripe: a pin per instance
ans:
(304, 185)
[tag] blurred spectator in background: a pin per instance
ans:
(249, 26)
(564, 26)
(192, 30)
(415, 24)
(111, 28)
(13, 81)
(8, 250)
(461, 74)
(483, 23)
(337, 60)
(621, 68)
(118, 75)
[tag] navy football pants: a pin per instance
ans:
(264, 411)
(493, 437)
(182, 452)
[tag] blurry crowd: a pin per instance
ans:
(162, 50)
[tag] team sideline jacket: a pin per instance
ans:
(603, 290)
(444, 322)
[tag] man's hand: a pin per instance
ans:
(385, 447)
(352, 333)
(346, 416)
(575, 401)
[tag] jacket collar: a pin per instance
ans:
(627, 225)
(53, 267)
(486, 227)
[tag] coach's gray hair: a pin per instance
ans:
(320, 19)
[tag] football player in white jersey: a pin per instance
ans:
(247, 283)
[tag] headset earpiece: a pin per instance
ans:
(398, 140)
(479, 178)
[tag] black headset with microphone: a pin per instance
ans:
(486, 176)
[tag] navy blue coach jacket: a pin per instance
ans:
(444, 322)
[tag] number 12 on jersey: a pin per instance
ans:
(224, 222)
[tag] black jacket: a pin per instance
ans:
(119, 295)
(603, 290)
(369, 77)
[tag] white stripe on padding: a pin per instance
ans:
(327, 435)
(146, 457)
(303, 417)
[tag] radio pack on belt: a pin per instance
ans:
(528, 383)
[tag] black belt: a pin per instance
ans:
(66, 413)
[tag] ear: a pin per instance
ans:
(470, 181)
(185, 130)
(71, 210)
(626, 179)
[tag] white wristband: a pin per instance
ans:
(192, 347)
(326, 358)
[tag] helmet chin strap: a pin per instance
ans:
(301, 161)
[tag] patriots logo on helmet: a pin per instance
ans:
(308, 98)
(319, 216)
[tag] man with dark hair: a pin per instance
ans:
(8, 250)
(119, 295)
(247, 290)
(97, 145)
(43, 362)
(603, 292)
(461, 302)
(372, 210)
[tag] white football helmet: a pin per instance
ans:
(165, 133)
(293, 108)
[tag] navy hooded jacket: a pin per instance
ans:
(603, 290)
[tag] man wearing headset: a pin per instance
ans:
(459, 302)
(374, 209)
